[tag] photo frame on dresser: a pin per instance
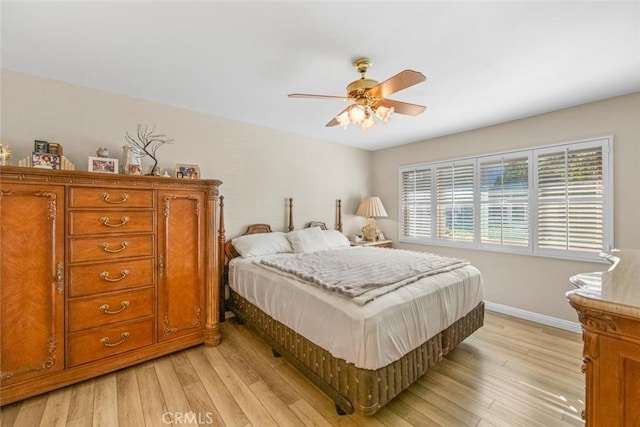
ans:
(102, 164)
(187, 171)
(40, 146)
(45, 160)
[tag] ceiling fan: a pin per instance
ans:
(370, 97)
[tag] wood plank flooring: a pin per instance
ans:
(509, 373)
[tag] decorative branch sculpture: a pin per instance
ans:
(147, 142)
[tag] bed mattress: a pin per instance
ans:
(370, 336)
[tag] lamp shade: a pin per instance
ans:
(371, 207)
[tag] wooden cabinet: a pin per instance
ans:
(608, 306)
(613, 372)
(32, 281)
(180, 246)
(101, 271)
(611, 365)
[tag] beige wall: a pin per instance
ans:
(260, 167)
(531, 283)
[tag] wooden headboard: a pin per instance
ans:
(230, 252)
(226, 251)
(323, 225)
(320, 224)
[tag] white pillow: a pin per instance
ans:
(308, 240)
(336, 239)
(261, 244)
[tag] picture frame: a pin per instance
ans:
(41, 146)
(54, 148)
(133, 169)
(45, 160)
(103, 164)
(187, 171)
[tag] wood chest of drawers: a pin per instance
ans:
(608, 306)
(101, 271)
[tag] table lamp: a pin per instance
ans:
(371, 207)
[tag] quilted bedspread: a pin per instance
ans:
(362, 274)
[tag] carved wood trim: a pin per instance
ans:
(590, 351)
(596, 320)
(48, 176)
(168, 330)
(221, 264)
(214, 309)
(47, 363)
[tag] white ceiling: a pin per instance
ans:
(485, 62)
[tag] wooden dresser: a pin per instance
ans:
(608, 306)
(101, 271)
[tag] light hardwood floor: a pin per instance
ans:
(509, 373)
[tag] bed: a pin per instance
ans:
(361, 354)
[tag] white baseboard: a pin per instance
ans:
(534, 317)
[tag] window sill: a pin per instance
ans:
(590, 257)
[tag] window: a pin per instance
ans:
(504, 201)
(553, 201)
(415, 194)
(571, 199)
(454, 202)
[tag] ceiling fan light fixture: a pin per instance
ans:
(368, 122)
(384, 113)
(343, 119)
(370, 98)
(357, 114)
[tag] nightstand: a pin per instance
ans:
(377, 243)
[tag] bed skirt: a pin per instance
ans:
(354, 390)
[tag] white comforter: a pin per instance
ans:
(364, 274)
(370, 336)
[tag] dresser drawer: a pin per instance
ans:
(108, 309)
(110, 341)
(99, 197)
(110, 247)
(109, 276)
(110, 222)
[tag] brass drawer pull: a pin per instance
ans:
(105, 247)
(123, 198)
(105, 220)
(105, 308)
(105, 341)
(105, 276)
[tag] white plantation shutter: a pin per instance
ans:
(571, 199)
(553, 201)
(455, 202)
(415, 203)
(504, 201)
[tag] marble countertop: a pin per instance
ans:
(615, 290)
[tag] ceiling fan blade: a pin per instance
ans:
(402, 80)
(308, 95)
(334, 121)
(401, 107)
